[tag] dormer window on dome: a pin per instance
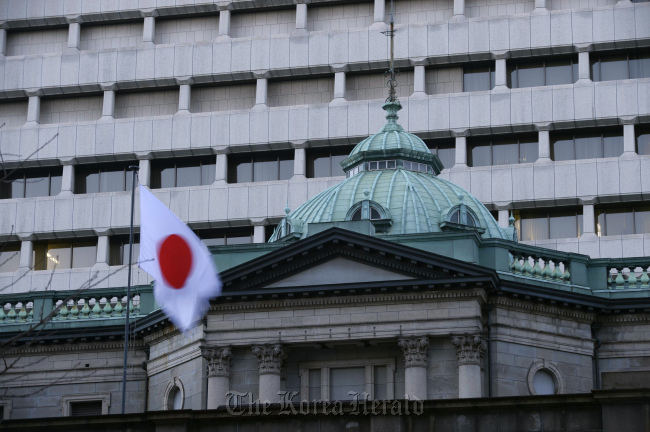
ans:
(461, 217)
(370, 210)
(390, 165)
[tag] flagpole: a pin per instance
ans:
(135, 169)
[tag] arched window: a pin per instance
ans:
(463, 215)
(374, 214)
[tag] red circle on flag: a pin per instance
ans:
(175, 260)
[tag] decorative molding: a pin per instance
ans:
(549, 367)
(415, 350)
(219, 359)
(66, 400)
(175, 383)
(173, 358)
(73, 347)
(469, 349)
(585, 348)
(269, 358)
(511, 303)
(623, 319)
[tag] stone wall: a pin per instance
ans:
(71, 109)
(223, 98)
(491, 8)
(145, 104)
(625, 343)
(106, 36)
(187, 30)
(262, 23)
(13, 114)
(373, 86)
(421, 11)
(36, 42)
(300, 92)
(339, 17)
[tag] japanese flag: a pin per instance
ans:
(185, 275)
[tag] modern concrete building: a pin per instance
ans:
(491, 245)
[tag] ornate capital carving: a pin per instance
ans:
(269, 358)
(218, 360)
(469, 349)
(415, 350)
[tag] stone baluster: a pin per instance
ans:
(536, 271)
(526, 268)
(219, 360)
(644, 279)
(631, 279)
(415, 364)
(469, 350)
(269, 361)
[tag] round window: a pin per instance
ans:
(175, 399)
(544, 383)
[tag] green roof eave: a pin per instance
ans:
(411, 155)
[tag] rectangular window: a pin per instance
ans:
(169, 173)
(315, 385)
(542, 73)
(86, 408)
(380, 382)
(59, 254)
(643, 140)
(326, 162)
(586, 145)
(502, 150)
(346, 380)
(445, 150)
(622, 219)
(260, 167)
(119, 250)
(226, 236)
(31, 183)
(103, 178)
(543, 225)
(608, 67)
(478, 78)
(9, 257)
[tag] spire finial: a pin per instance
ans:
(391, 72)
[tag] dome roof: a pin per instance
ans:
(393, 177)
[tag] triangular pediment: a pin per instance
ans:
(338, 271)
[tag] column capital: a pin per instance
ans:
(415, 350)
(469, 349)
(218, 360)
(270, 358)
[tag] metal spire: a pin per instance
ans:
(392, 82)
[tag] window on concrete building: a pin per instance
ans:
(168, 173)
(226, 236)
(9, 256)
(31, 183)
(607, 67)
(326, 162)
(643, 140)
(586, 145)
(544, 382)
(542, 224)
(119, 250)
(445, 150)
(262, 167)
(64, 254)
(542, 73)
(103, 178)
(502, 150)
(315, 385)
(622, 219)
(478, 78)
(344, 381)
(86, 408)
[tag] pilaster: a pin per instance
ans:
(224, 23)
(74, 35)
(219, 360)
(469, 350)
(149, 30)
(269, 361)
(415, 364)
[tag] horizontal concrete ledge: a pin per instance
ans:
(324, 52)
(439, 116)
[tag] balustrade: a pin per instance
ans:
(628, 277)
(539, 267)
(89, 306)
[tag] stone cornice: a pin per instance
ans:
(623, 319)
(74, 347)
(553, 311)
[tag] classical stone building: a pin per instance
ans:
(493, 246)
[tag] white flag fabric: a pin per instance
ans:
(181, 265)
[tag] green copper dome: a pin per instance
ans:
(392, 181)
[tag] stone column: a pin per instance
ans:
(584, 68)
(149, 30)
(26, 252)
(103, 252)
(500, 75)
(504, 216)
(379, 15)
(67, 179)
(221, 174)
(629, 141)
(74, 35)
(544, 143)
(34, 110)
(470, 350)
(459, 8)
(461, 152)
(259, 234)
(144, 173)
(301, 16)
(219, 359)
(339, 89)
(224, 23)
(108, 108)
(261, 93)
(419, 82)
(184, 99)
(300, 163)
(588, 222)
(269, 360)
(3, 42)
(415, 366)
